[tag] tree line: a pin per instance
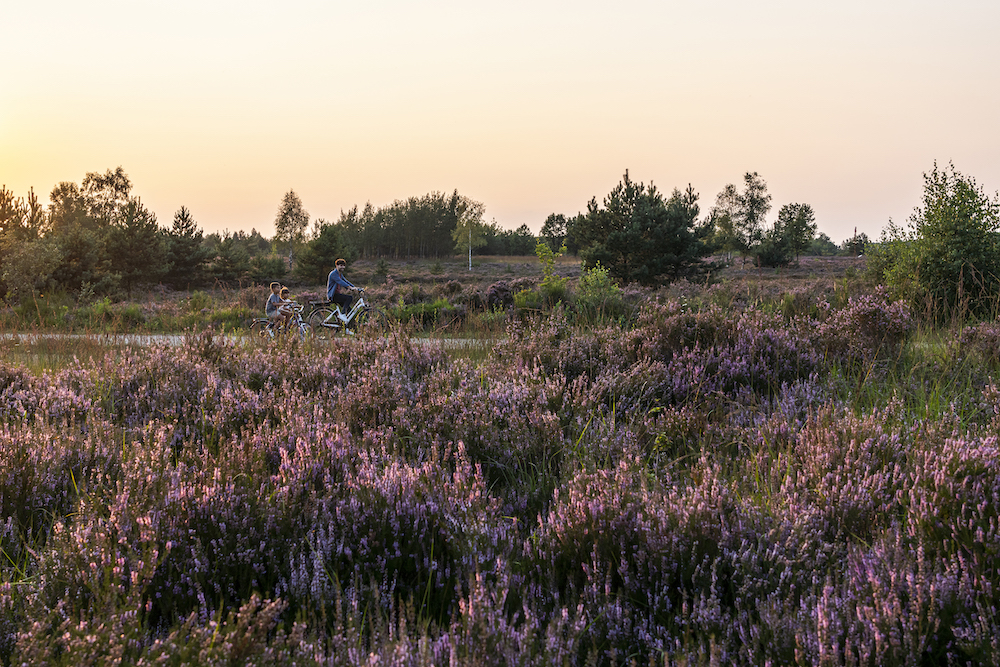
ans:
(640, 235)
(97, 237)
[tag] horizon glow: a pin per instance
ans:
(530, 108)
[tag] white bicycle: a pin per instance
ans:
(325, 318)
(273, 328)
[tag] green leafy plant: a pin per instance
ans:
(554, 289)
(948, 261)
(598, 298)
(198, 301)
(528, 299)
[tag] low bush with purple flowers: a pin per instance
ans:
(705, 486)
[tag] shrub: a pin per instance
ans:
(499, 295)
(870, 327)
(198, 301)
(528, 299)
(424, 314)
(983, 339)
(948, 261)
(598, 298)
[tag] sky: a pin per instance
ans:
(530, 107)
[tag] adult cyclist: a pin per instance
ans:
(336, 289)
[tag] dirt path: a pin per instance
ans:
(177, 339)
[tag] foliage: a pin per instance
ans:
(107, 195)
(231, 260)
(856, 245)
(100, 236)
(198, 300)
(424, 314)
(774, 248)
(381, 273)
(470, 232)
(187, 256)
(598, 298)
(316, 259)
(29, 267)
(499, 241)
(265, 269)
(415, 227)
(84, 261)
(702, 485)
(721, 221)
(822, 246)
(554, 289)
(948, 260)
(68, 209)
(135, 245)
(528, 299)
(291, 222)
(797, 223)
(753, 205)
(554, 231)
(736, 222)
(639, 236)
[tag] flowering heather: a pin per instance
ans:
(698, 488)
(871, 326)
(983, 339)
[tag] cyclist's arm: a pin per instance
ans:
(343, 282)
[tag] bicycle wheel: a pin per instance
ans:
(324, 323)
(262, 328)
(372, 321)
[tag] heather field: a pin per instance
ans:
(712, 478)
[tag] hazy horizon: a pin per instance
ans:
(530, 108)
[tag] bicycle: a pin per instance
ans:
(326, 322)
(272, 328)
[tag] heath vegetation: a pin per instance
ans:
(753, 466)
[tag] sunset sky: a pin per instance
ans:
(529, 107)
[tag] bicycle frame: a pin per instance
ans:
(359, 305)
(335, 322)
(273, 327)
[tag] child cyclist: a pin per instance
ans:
(277, 309)
(336, 289)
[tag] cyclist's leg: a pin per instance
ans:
(343, 300)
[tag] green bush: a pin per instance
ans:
(528, 299)
(131, 316)
(198, 300)
(598, 297)
(230, 319)
(554, 291)
(381, 272)
(104, 315)
(948, 261)
(774, 251)
(423, 313)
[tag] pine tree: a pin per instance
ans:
(187, 254)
